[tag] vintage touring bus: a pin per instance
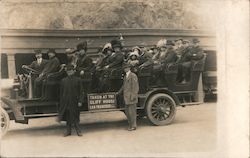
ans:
(157, 102)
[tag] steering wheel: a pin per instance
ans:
(30, 70)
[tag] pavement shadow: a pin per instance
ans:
(58, 129)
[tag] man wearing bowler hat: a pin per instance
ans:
(130, 91)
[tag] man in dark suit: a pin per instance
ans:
(84, 62)
(70, 101)
(130, 91)
(84, 66)
(39, 64)
(52, 66)
(116, 59)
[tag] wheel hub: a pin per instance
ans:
(163, 109)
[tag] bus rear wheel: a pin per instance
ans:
(161, 109)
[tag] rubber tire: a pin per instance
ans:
(7, 123)
(149, 110)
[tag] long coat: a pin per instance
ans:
(171, 56)
(130, 89)
(71, 94)
(116, 60)
(53, 65)
(103, 62)
(192, 53)
(38, 67)
(84, 63)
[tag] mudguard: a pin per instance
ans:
(159, 90)
(15, 107)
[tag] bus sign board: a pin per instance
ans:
(97, 101)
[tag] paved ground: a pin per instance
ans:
(105, 134)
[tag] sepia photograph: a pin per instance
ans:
(124, 78)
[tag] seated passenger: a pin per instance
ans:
(191, 53)
(84, 66)
(155, 50)
(179, 48)
(115, 60)
(166, 55)
(52, 66)
(196, 52)
(100, 56)
(39, 64)
(105, 53)
(133, 61)
(84, 62)
(71, 56)
(145, 58)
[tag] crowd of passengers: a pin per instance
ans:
(113, 55)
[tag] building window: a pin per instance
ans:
(4, 66)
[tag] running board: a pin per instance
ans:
(82, 112)
(189, 104)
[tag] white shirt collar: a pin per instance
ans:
(39, 60)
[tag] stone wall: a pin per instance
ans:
(106, 14)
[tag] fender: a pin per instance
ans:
(15, 107)
(158, 90)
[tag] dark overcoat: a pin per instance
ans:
(52, 66)
(116, 60)
(192, 53)
(171, 56)
(70, 95)
(38, 67)
(103, 62)
(84, 63)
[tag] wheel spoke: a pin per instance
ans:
(154, 111)
(167, 103)
(161, 101)
(158, 117)
(164, 101)
(166, 114)
(154, 115)
(158, 102)
(155, 105)
(168, 110)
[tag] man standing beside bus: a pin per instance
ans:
(130, 91)
(70, 101)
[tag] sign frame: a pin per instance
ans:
(100, 97)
